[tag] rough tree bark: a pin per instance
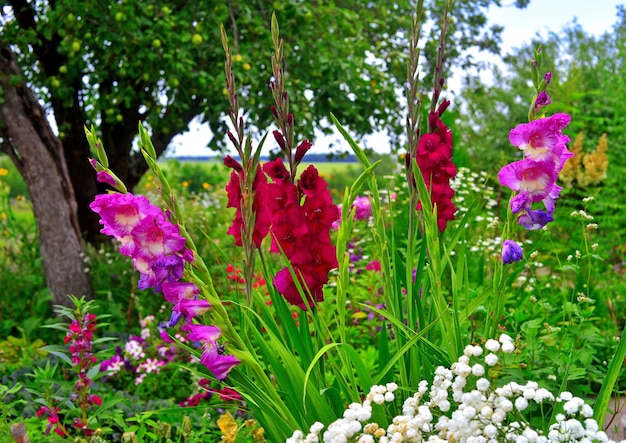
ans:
(38, 154)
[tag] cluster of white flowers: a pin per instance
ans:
(464, 405)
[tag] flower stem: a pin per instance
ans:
(604, 396)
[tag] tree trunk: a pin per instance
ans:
(38, 154)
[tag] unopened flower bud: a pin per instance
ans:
(232, 163)
(279, 139)
(232, 138)
(511, 252)
(274, 112)
(543, 99)
(302, 149)
(442, 107)
(547, 78)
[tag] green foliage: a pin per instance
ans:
(167, 50)
(12, 178)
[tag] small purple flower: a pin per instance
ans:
(511, 252)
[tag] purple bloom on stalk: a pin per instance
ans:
(212, 357)
(511, 252)
(168, 268)
(533, 219)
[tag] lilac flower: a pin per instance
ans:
(511, 252)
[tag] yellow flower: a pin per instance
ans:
(572, 167)
(3, 172)
(205, 185)
(596, 163)
(237, 57)
(229, 428)
(185, 184)
(247, 66)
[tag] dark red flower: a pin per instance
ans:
(276, 169)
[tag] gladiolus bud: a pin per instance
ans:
(302, 149)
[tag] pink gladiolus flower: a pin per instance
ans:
(532, 179)
(541, 139)
(363, 208)
(120, 213)
(374, 265)
(157, 236)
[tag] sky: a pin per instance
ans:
(520, 26)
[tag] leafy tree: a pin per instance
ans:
(116, 63)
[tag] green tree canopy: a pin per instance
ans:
(115, 63)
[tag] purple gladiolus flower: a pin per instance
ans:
(212, 357)
(534, 219)
(511, 252)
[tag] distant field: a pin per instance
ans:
(325, 168)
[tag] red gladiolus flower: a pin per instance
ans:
(434, 158)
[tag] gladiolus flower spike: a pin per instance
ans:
(534, 177)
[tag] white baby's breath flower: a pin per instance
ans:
(491, 359)
(482, 384)
(492, 345)
(478, 370)
(508, 347)
(521, 403)
(490, 431)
